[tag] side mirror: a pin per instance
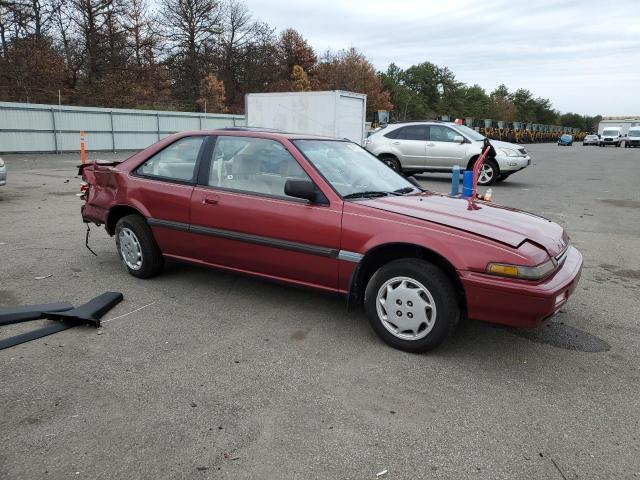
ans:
(304, 189)
(458, 139)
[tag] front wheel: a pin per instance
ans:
(137, 248)
(412, 305)
(489, 172)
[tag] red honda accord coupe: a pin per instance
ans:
(324, 213)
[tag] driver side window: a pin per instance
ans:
(438, 133)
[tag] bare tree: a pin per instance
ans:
(141, 28)
(192, 28)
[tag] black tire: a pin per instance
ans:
(392, 162)
(496, 173)
(441, 289)
(151, 257)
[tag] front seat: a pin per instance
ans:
(246, 175)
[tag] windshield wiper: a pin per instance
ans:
(404, 190)
(368, 194)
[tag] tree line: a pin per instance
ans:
(427, 91)
(205, 55)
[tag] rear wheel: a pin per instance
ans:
(392, 162)
(412, 305)
(137, 248)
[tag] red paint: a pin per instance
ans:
(467, 238)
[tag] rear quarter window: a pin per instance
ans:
(176, 162)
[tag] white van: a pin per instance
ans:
(611, 136)
(632, 139)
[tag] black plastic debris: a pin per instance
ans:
(67, 316)
(89, 313)
(25, 313)
(35, 334)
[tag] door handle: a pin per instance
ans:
(211, 200)
(396, 143)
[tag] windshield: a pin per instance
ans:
(610, 133)
(634, 133)
(352, 171)
(469, 132)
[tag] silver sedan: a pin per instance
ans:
(590, 140)
(3, 173)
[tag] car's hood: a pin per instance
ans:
(502, 224)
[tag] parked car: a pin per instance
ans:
(565, 140)
(415, 147)
(632, 138)
(611, 136)
(332, 217)
(590, 140)
(3, 173)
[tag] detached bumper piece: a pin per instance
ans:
(89, 313)
(67, 316)
(30, 312)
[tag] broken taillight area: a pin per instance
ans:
(84, 191)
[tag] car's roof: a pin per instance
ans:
(270, 132)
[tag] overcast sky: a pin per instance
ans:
(583, 55)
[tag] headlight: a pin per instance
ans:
(509, 152)
(519, 271)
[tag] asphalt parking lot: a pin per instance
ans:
(205, 374)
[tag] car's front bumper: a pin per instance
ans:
(521, 303)
(512, 164)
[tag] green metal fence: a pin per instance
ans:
(53, 128)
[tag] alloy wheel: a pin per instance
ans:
(486, 174)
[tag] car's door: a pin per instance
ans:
(410, 142)
(241, 218)
(442, 151)
(163, 185)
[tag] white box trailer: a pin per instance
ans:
(336, 113)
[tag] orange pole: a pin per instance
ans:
(82, 154)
